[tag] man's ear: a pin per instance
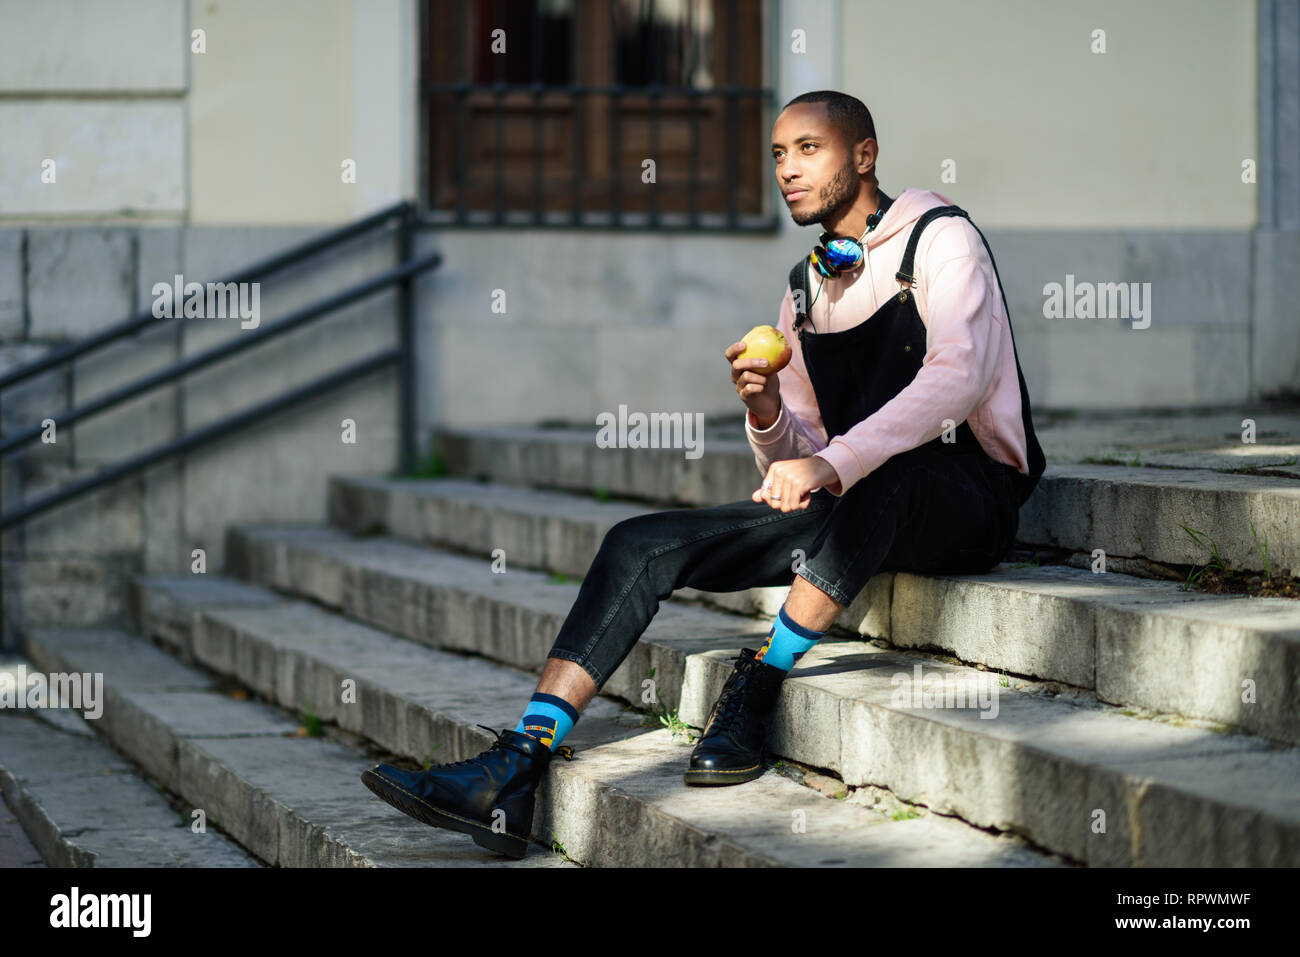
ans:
(864, 153)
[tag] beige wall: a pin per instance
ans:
(96, 88)
(285, 93)
(253, 131)
(1045, 133)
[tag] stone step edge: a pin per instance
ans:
(340, 487)
(733, 471)
(734, 852)
(739, 448)
(706, 674)
(60, 845)
(323, 846)
(1062, 669)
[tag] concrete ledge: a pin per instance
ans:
(83, 805)
(837, 711)
(1132, 512)
(621, 803)
(1161, 647)
(282, 795)
(293, 801)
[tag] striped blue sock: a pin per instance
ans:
(786, 642)
(547, 718)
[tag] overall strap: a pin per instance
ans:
(1034, 451)
(799, 284)
(1037, 460)
(905, 272)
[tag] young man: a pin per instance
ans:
(898, 437)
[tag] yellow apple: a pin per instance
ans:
(766, 342)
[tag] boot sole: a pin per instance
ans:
(414, 806)
(701, 778)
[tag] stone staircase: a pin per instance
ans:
(1118, 733)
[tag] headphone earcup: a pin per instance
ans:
(822, 263)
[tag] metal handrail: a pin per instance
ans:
(403, 275)
(201, 435)
(272, 265)
(217, 353)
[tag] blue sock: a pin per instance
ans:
(786, 642)
(548, 719)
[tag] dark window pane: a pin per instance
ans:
(579, 153)
(666, 42)
(544, 55)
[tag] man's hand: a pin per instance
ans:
(793, 481)
(758, 389)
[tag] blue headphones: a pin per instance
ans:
(835, 255)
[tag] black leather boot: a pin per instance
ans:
(731, 749)
(463, 795)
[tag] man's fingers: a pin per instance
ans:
(741, 366)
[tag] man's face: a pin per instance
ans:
(814, 167)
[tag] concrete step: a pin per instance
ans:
(16, 848)
(1134, 641)
(81, 804)
(294, 801)
(1127, 512)
(620, 803)
(1034, 761)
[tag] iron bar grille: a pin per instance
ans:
(544, 113)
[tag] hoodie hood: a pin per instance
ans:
(903, 212)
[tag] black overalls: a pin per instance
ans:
(939, 507)
(858, 370)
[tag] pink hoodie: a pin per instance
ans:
(968, 371)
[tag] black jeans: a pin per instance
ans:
(924, 510)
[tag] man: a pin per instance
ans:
(898, 437)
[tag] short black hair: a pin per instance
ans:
(848, 114)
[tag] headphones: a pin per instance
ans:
(840, 254)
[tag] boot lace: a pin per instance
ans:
(563, 751)
(730, 710)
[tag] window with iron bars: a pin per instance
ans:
(546, 113)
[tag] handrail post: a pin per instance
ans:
(406, 364)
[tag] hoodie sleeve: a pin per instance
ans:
(964, 340)
(793, 435)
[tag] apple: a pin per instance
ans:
(766, 342)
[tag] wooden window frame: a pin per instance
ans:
(697, 140)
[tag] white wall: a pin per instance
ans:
(285, 93)
(253, 131)
(1047, 134)
(97, 87)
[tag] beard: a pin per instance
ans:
(835, 196)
